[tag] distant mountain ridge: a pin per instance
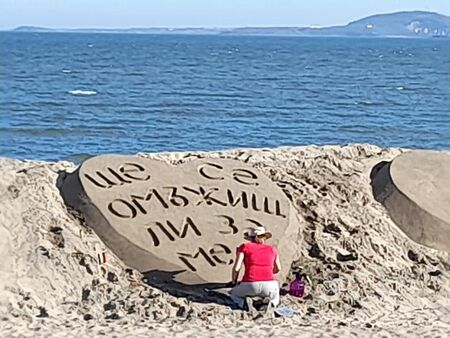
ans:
(401, 24)
(415, 23)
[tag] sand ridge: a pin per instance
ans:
(368, 277)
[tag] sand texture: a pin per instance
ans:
(369, 278)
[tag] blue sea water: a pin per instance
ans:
(68, 96)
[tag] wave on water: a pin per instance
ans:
(368, 103)
(79, 92)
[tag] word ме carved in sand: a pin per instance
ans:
(187, 218)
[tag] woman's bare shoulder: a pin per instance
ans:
(242, 246)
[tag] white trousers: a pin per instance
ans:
(269, 289)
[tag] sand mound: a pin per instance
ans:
(366, 273)
(415, 189)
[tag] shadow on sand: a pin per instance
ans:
(201, 293)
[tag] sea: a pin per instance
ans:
(68, 96)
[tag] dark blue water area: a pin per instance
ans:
(68, 96)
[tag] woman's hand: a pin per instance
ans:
(237, 267)
(231, 284)
(277, 265)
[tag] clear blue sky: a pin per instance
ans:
(196, 13)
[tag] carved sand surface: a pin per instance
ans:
(59, 279)
(415, 188)
(183, 222)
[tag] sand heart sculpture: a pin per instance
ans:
(182, 222)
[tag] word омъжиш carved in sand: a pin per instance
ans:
(187, 219)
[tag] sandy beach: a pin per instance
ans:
(53, 282)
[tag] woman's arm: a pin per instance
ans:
(277, 265)
(237, 267)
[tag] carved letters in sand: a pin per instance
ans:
(184, 221)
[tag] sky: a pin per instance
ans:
(199, 13)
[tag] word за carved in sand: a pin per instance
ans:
(189, 217)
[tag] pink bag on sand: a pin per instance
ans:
(297, 287)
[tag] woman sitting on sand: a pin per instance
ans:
(261, 262)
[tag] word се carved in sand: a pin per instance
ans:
(214, 204)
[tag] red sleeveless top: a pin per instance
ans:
(259, 261)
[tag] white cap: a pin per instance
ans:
(258, 231)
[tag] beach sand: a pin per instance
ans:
(53, 285)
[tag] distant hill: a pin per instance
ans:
(403, 24)
(396, 24)
(32, 29)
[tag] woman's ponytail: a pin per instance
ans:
(259, 239)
